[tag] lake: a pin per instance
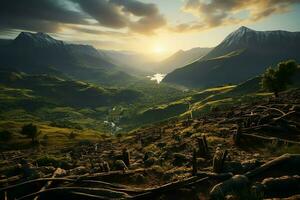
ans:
(157, 77)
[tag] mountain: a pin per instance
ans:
(180, 59)
(243, 54)
(40, 53)
(141, 64)
(129, 61)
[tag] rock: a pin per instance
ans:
(282, 186)
(60, 172)
(120, 165)
(235, 184)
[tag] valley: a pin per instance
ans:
(78, 122)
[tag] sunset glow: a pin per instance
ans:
(148, 26)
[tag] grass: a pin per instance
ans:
(52, 136)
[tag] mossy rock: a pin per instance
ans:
(120, 165)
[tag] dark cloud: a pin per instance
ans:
(53, 15)
(36, 15)
(107, 14)
(215, 13)
(116, 14)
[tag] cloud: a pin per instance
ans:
(137, 8)
(36, 15)
(107, 14)
(216, 13)
(53, 15)
(94, 30)
(147, 25)
(120, 13)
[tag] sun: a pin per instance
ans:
(159, 49)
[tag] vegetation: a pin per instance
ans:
(101, 133)
(276, 79)
(31, 131)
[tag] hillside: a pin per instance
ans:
(243, 54)
(179, 157)
(40, 53)
(66, 92)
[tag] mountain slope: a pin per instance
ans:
(243, 54)
(40, 53)
(180, 59)
(52, 90)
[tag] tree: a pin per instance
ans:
(276, 79)
(30, 131)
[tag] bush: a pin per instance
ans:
(276, 79)
(5, 136)
(31, 131)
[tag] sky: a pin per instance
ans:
(158, 27)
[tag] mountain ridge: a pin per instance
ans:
(41, 53)
(243, 54)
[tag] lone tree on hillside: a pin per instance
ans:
(30, 131)
(276, 79)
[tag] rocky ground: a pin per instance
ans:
(232, 153)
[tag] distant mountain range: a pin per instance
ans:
(129, 61)
(180, 59)
(143, 64)
(243, 54)
(40, 53)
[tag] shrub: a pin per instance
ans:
(31, 131)
(276, 79)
